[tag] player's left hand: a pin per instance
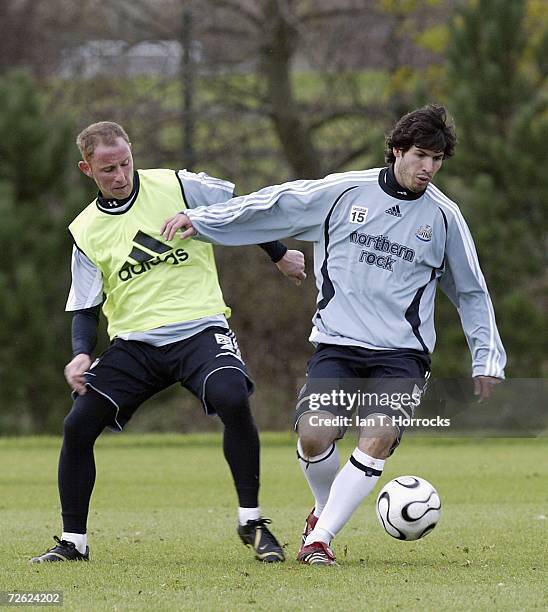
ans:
(483, 386)
(173, 224)
(292, 266)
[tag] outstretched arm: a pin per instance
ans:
(290, 262)
(296, 209)
(201, 189)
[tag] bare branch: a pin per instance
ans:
(351, 156)
(325, 15)
(340, 113)
(140, 14)
(237, 7)
(225, 30)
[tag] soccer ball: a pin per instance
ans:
(408, 507)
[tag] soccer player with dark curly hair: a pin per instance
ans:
(384, 239)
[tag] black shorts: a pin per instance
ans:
(128, 372)
(379, 382)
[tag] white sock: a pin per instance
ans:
(80, 540)
(248, 514)
(352, 485)
(320, 472)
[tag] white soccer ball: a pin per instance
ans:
(408, 507)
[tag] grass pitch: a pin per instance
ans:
(162, 529)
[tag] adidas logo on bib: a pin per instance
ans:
(143, 261)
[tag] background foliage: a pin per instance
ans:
(259, 93)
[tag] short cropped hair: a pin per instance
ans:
(104, 132)
(428, 127)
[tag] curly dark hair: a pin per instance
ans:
(428, 127)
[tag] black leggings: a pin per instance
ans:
(226, 392)
(90, 414)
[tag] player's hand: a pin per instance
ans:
(179, 222)
(74, 372)
(483, 386)
(292, 266)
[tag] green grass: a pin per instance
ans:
(162, 529)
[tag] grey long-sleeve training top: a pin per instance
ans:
(379, 252)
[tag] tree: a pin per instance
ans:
(34, 34)
(497, 92)
(35, 202)
(308, 92)
(327, 75)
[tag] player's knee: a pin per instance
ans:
(72, 425)
(315, 438)
(379, 448)
(87, 419)
(312, 447)
(378, 442)
(77, 431)
(227, 393)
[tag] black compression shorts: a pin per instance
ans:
(129, 372)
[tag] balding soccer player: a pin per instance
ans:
(168, 323)
(383, 240)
